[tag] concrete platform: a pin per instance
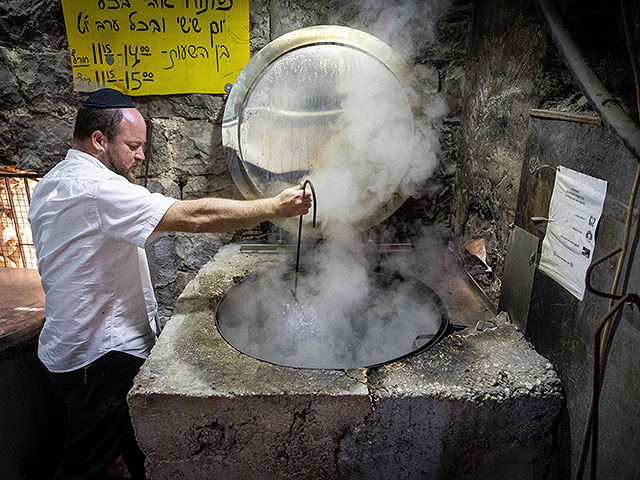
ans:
(479, 404)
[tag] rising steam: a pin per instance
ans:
(382, 144)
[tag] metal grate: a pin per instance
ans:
(16, 242)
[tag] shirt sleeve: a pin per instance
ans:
(129, 212)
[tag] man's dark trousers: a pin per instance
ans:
(98, 423)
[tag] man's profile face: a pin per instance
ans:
(123, 153)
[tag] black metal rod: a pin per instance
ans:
(298, 247)
(592, 267)
(315, 209)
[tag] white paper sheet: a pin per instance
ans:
(574, 213)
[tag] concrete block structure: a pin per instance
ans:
(479, 404)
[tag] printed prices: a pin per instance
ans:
(156, 47)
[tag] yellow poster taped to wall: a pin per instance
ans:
(147, 47)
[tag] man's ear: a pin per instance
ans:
(98, 141)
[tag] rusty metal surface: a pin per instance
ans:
(587, 149)
(439, 268)
(560, 326)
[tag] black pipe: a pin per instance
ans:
(612, 114)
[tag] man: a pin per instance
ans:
(90, 223)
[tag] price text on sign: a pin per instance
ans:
(151, 47)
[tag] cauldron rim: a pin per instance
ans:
(443, 329)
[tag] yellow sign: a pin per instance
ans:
(148, 47)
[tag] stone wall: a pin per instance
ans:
(186, 159)
(503, 72)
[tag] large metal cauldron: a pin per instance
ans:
(393, 317)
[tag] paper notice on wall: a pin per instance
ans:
(574, 213)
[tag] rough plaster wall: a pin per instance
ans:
(39, 106)
(514, 67)
(506, 46)
(35, 94)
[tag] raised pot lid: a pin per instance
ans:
(330, 104)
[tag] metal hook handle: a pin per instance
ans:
(315, 207)
(313, 195)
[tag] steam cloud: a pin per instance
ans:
(382, 144)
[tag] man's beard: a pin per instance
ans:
(111, 165)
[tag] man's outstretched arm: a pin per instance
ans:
(222, 215)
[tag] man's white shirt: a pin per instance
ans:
(90, 226)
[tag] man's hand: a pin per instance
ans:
(292, 202)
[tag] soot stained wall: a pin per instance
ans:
(513, 67)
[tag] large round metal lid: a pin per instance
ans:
(329, 104)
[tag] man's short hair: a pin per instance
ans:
(90, 119)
